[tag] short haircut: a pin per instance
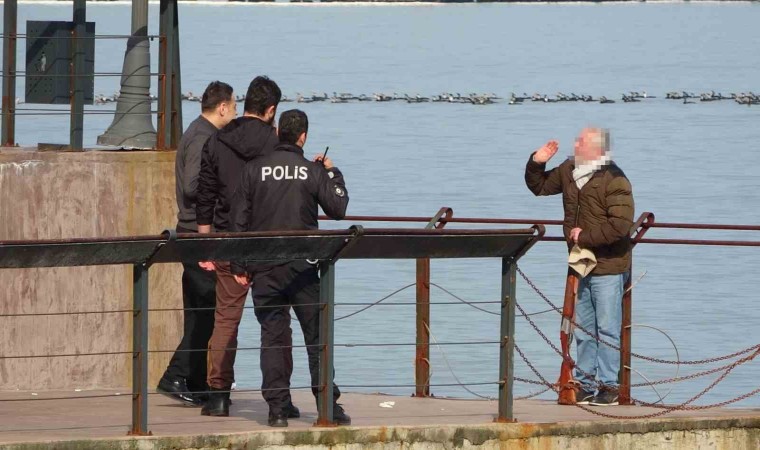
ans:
(262, 93)
(292, 124)
(216, 93)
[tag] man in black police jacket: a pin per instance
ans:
(282, 192)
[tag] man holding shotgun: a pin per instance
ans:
(599, 209)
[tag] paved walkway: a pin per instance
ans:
(110, 417)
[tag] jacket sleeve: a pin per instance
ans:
(620, 209)
(208, 186)
(332, 195)
(541, 182)
(192, 167)
(240, 212)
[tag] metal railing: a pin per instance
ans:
(169, 112)
(327, 246)
(641, 226)
(331, 245)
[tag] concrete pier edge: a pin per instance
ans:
(735, 433)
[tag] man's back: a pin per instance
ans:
(224, 157)
(282, 191)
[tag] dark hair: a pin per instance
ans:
(292, 124)
(262, 93)
(216, 93)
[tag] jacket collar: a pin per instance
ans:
(282, 147)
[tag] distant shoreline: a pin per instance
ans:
(408, 2)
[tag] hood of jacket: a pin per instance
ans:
(248, 136)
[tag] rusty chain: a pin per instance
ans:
(554, 347)
(682, 378)
(685, 406)
(643, 357)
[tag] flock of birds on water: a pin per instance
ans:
(743, 98)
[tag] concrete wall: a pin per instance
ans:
(667, 434)
(46, 195)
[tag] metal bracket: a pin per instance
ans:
(539, 231)
(357, 231)
(640, 228)
(440, 219)
(170, 236)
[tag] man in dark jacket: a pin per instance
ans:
(224, 157)
(282, 192)
(186, 372)
(599, 208)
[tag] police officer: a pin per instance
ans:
(282, 192)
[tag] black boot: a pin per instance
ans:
(339, 415)
(218, 403)
(278, 420)
(292, 411)
(176, 389)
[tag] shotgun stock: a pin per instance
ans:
(567, 385)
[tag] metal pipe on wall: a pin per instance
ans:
(10, 19)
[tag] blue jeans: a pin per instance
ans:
(599, 309)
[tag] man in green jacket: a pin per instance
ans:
(598, 203)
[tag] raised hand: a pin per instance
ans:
(327, 162)
(546, 152)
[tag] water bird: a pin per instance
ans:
(629, 99)
(382, 97)
(301, 99)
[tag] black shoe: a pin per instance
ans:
(605, 397)
(339, 415)
(583, 397)
(279, 420)
(291, 411)
(218, 404)
(176, 389)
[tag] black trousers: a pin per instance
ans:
(198, 291)
(275, 290)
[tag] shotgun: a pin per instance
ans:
(567, 385)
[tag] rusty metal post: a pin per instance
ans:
(140, 351)
(76, 128)
(10, 18)
(422, 357)
(507, 338)
(624, 395)
(176, 83)
(639, 229)
(326, 344)
(167, 91)
(161, 114)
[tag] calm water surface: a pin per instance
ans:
(692, 163)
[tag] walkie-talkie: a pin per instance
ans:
(324, 155)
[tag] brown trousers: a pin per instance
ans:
(230, 300)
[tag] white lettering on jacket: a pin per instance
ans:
(279, 173)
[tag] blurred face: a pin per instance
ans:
(588, 146)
